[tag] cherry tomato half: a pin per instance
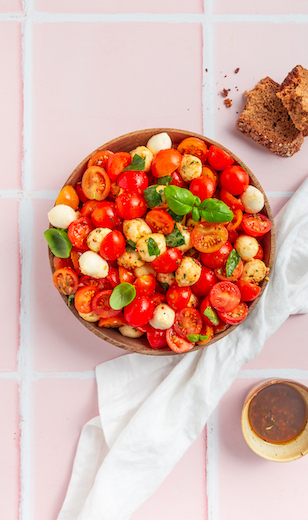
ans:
(105, 215)
(160, 221)
(88, 207)
(218, 158)
(208, 238)
(221, 274)
(66, 280)
(256, 224)
(83, 298)
(78, 232)
(168, 262)
(203, 187)
(112, 245)
(69, 197)
(139, 311)
(225, 296)
(130, 205)
(218, 258)
(178, 297)
(156, 338)
(80, 193)
(133, 182)
(157, 298)
(187, 321)
(234, 179)
(230, 200)
(208, 313)
(125, 275)
(166, 162)
(101, 306)
(116, 163)
(249, 290)
(101, 283)
(59, 263)
(260, 253)
(114, 322)
(207, 333)
(235, 316)
(100, 158)
(75, 255)
(95, 183)
(205, 283)
(236, 221)
(193, 146)
(177, 343)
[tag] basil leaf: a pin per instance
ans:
(165, 180)
(164, 285)
(193, 337)
(58, 242)
(232, 262)
(131, 246)
(177, 218)
(122, 295)
(70, 299)
(214, 210)
(211, 314)
(153, 248)
(152, 197)
(179, 200)
(197, 201)
(175, 238)
(195, 214)
(137, 164)
(203, 338)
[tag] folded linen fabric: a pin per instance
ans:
(152, 408)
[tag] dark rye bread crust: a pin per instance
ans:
(266, 120)
(294, 96)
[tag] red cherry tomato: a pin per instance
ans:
(221, 327)
(125, 275)
(207, 333)
(157, 298)
(88, 207)
(145, 285)
(187, 321)
(218, 258)
(75, 255)
(168, 262)
(221, 274)
(130, 205)
(177, 180)
(100, 158)
(260, 253)
(249, 290)
(78, 232)
(112, 245)
(105, 215)
(83, 298)
(113, 322)
(218, 158)
(139, 311)
(193, 146)
(236, 221)
(101, 283)
(208, 238)
(232, 235)
(80, 193)
(113, 276)
(256, 224)
(177, 343)
(178, 297)
(95, 183)
(166, 162)
(230, 200)
(69, 197)
(225, 296)
(116, 163)
(160, 221)
(101, 306)
(133, 182)
(205, 283)
(203, 187)
(235, 316)
(234, 179)
(66, 280)
(157, 338)
(208, 313)
(59, 263)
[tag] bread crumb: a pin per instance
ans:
(236, 70)
(224, 92)
(228, 102)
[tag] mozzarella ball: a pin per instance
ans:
(163, 317)
(146, 154)
(142, 246)
(95, 238)
(186, 232)
(254, 271)
(89, 316)
(188, 272)
(166, 280)
(130, 332)
(252, 200)
(130, 260)
(144, 270)
(246, 246)
(92, 264)
(135, 229)
(61, 216)
(159, 142)
(190, 168)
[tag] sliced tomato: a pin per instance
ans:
(208, 313)
(145, 285)
(166, 162)
(235, 316)
(101, 306)
(193, 146)
(80, 193)
(256, 224)
(83, 298)
(100, 158)
(69, 197)
(177, 343)
(207, 333)
(114, 322)
(221, 327)
(133, 182)
(237, 219)
(218, 158)
(66, 280)
(168, 262)
(249, 290)
(234, 179)
(157, 298)
(139, 311)
(130, 205)
(95, 183)
(59, 263)
(160, 221)
(116, 163)
(112, 245)
(156, 338)
(113, 276)
(105, 215)
(78, 232)
(178, 297)
(237, 273)
(101, 283)
(208, 238)
(218, 258)
(225, 296)
(75, 255)
(187, 321)
(205, 283)
(260, 253)
(88, 207)
(230, 200)
(125, 275)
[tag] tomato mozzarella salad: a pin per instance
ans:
(164, 241)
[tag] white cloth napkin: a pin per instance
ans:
(152, 408)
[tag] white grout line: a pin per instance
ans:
(212, 490)
(87, 374)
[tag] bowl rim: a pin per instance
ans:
(111, 337)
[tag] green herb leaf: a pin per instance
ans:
(193, 337)
(130, 245)
(70, 299)
(179, 200)
(232, 262)
(122, 295)
(58, 242)
(211, 314)
(214, 210)
(164, 285)
(137, 164)
(197, 201)
(153, 248)
(195, 214)
(165, 180)
(175, 238)
(177, 218)
(152, 197)
(203, 338)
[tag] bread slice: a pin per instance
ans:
(266, 120)
(294, 96)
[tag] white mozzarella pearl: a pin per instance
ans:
(163, 317)
(89, 316)
(96, 237)
(130, 332)
(135, 228)
(130, 260)
(254, 271)
(252, 200)
(61, 216)
(142, 246)
(190, 168)
(146, 154)
(92, 264)
(188, 272)
(159, 142)
(247, 247)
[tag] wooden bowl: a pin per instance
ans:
(285, 452)
(126, 143)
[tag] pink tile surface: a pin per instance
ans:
(56, 430)
(260, 8)
(9, 453)
(10, 105)
(250, 486)
(10, 284)
(120, 6)
(9, 6)
(83, 111)
(274, 173)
